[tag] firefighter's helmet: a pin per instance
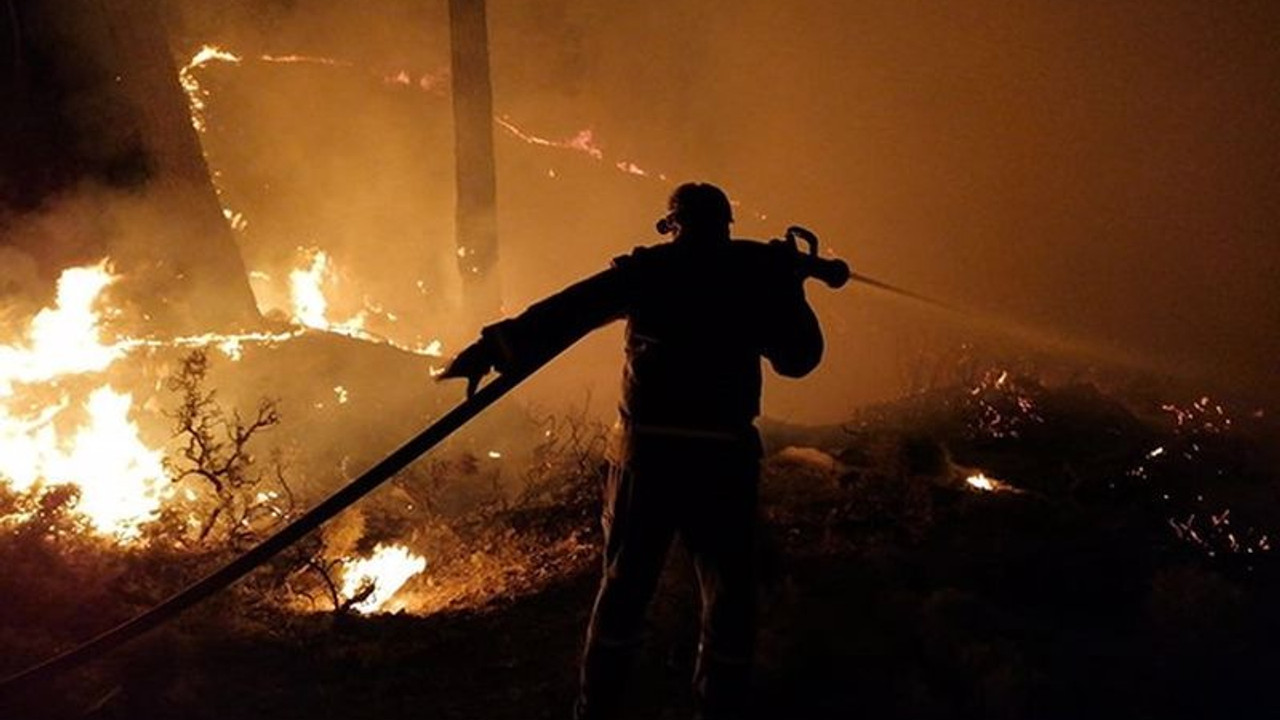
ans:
(696, 206)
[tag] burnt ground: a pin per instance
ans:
(1106, 579)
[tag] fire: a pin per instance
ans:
(386, 570)
(310, 306)
(196, 95)
(119, 478)
(436, 82)
(584, 142)
(64, 338)
(980, 482)
(304, 60)
(122, 481)
(52, 434)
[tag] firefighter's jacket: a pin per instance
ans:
(699, 319)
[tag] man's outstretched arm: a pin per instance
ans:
(545, 328)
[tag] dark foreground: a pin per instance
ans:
(1103, 581)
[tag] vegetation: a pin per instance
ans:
(1120, 567)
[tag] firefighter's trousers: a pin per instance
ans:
(704, 491)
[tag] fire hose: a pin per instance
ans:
(833, 272)
(286, 536)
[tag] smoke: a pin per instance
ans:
(1102, 173)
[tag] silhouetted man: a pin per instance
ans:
(701, 311)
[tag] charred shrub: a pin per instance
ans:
(222, 498)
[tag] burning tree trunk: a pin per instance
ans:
(476, 218)
(99, 156)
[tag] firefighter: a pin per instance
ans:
(701, 311)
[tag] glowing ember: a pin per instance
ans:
(1004, 406)
(631, 168)
(428, 82)
(387, 570)
(1202, 416)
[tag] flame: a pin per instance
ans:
(65, 338)
(388, 569)
(431, 82)
(87, 439)
(84, 433)
(119, 478)
(305, 60)
(310, 306)
(981, 482)
(583, 142)
(197, 96)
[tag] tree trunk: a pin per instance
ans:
(476, 226)
(99, 157)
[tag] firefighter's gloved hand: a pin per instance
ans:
(473, 363)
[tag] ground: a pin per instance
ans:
(1121, 568)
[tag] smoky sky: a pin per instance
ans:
(1103, 172)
